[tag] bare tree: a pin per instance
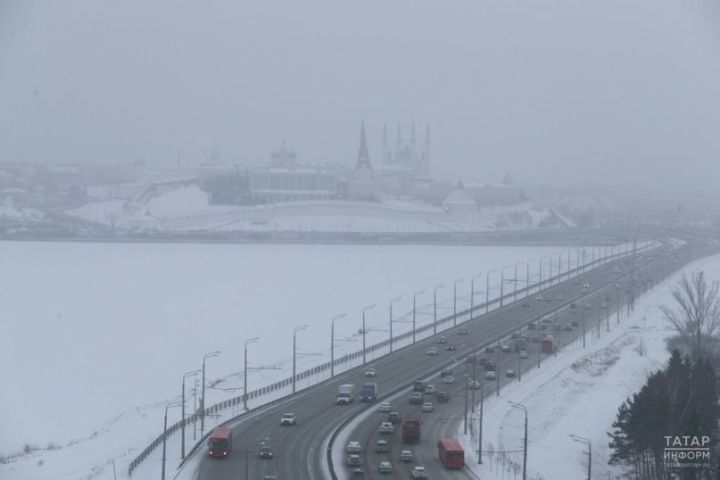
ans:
(697, 317)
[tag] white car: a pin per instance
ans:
(432, 351)
(387, 427)
(406, 456)
(490, 375)
(287, 419)
(430, 389)
(523, 354)
(418, 472)
(475, 384)
(384, 407)
(448, 379)
(353, 446)
(385, 467)
(427, 407)
(370, 372)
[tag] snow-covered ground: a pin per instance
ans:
(99, 335)
(186, 207)
(578, 392)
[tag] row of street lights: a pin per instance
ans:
(300, 328)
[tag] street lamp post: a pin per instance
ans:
(202, 400)
(169, 405)
(455, 300)
(587, 442)
(527, 278)
(435, 307)
(482, 402)
(413, 318)
(396, 299)
(245, 391)
(525, 440)
(583, 322)
(472, 295)
(182, 441)
(487, 290)
(297, 329)
(365, 309)
(332, 343)
(502, 284)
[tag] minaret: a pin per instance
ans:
(385, 149)
(414, 157)
(363, 159)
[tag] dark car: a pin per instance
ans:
(462, 331)
(532, 326)
(490, 349)
(451, 347)
(489, 366)
(265, 452)
(394, 417)
(442, 397)
(574, 323)
(445, 372)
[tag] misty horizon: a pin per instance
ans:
(555, 94)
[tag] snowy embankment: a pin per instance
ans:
(187, 208)
(100, 335)
(576, 393)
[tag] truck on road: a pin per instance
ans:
(368, 392)
(345, 394)
(411, 430)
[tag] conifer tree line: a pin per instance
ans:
(664, 431)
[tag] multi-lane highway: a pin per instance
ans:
(300, 451)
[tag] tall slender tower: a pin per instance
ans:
(385, 146)
(363, 158)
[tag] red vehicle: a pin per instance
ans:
(548, 344)
(220, 442)
(451, 453)
(411, 430)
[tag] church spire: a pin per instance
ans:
(363, 159)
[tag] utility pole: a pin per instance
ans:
(525, 437)
(332, 343)
(435, 307)
(299, 329)
(482, 402)
(365, 309)
(182, 441)
(487, 290)
(396, 299)
(202, 400)
(465, 421)
(245, 391)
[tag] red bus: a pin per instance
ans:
(220, 442)
(451, 453)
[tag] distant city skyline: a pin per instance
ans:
(560, 93)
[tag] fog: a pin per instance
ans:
(554, 92)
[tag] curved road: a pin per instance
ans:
(300, 450)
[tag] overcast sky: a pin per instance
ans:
(552, 91)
